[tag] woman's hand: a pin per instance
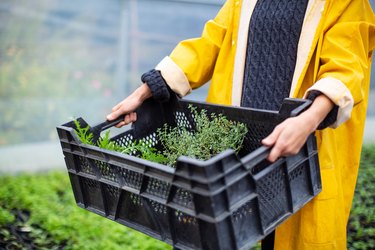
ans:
(289, 136)
(129, 105)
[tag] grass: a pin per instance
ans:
(55, 220)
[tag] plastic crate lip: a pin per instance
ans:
(85, 175)
(204, 163)
(226, 106)
(296, 164)
(269, 169)
(303, 104)
(255, 157)
(66, 150)
(71, 130)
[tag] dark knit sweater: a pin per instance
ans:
(157, 85)
(274, 32)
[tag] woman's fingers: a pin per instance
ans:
(128, 106)
(129, 118)
(287, 138)
(115, 114)
(133, 116)
(272, 140)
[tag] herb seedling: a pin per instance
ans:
(213, 134)
(83, 133)
(136, 148)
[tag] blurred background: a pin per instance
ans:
(63, 59)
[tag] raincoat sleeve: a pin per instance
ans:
(191, 63)
(345, 59)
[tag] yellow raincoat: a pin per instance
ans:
(334, 57)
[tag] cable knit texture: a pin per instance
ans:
(157, 85)
(274, 31)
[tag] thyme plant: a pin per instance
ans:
(213, 134)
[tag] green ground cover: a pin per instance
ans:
(40, 210)
(361, 227)
(53, 220)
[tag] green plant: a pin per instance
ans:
(83, 133)
(212, 135)
(139, 148)
(144, 151)
(5, 216)
(106, 143)
(361, 230)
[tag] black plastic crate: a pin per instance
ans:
(227, 202)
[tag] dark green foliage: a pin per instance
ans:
(55, 220)
(213, 134)
(361, 226)
(5, 216)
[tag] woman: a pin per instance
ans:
(257, 52)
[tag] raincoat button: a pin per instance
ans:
(233, 42)
(237, 3)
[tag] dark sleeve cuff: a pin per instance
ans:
(332, 115)
(157, 85)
